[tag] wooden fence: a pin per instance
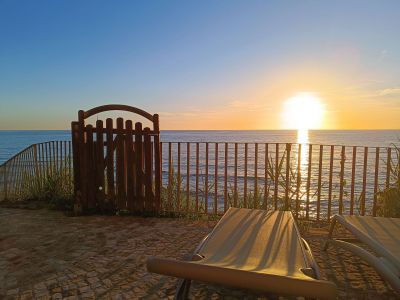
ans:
(314, 181)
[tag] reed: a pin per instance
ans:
(54, 188)
(389, 198)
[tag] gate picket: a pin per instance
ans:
(100, 195)
(129, 165)
(139, 167)
(149, 196)
(110, 164)
(120, 165)
(90, 171)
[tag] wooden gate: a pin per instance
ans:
(116, 167)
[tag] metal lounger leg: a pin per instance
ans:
(182, 290)
(331, 228)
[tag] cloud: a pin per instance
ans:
(390, 92)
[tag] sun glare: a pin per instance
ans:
(302, 112)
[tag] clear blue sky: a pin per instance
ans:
(199, 62)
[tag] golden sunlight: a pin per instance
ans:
(302, 112)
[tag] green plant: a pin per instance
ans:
(388, 200)
(53, 186)
(175, 202)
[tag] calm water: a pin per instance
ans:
(12, 142)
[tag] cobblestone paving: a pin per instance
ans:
(46, 255)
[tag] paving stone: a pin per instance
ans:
(104, 257)
(57, 296)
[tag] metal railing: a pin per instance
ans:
(314, 181)
(31, 167)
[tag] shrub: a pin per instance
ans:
(54, 188)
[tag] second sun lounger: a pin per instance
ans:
(251, 249)
(382, 235)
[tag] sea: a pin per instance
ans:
(11, 142)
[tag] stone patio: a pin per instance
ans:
(46, 255)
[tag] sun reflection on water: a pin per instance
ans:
(302, 136)
(303, 140)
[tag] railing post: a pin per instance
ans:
(37, 173)
(5, 182)
(288, 149)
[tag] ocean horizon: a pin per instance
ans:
(13, 141)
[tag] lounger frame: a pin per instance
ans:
(300, 286)
(385, 264)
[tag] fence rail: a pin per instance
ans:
(314, 181)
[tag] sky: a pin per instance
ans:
(200, 64)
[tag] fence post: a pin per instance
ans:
(37, 173)
(5, 182)
(288, 149)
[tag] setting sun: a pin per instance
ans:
(303, 111)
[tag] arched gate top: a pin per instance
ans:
(110, 107)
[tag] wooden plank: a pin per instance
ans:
(187, 176)
(308, 181)
(99, 168)
(157, 163)
(90, 175)
(130, 188)
(256, 175)
(298, 180)
(235, 184)
(376, 181)
(115, 131)
(120, 166)
(330, 183)
(341, 183)
(197, 177)
(266, 189)
(82, 198)
(388, 167)
(216, 179)
(226, 178)
(149, 195)
(206, 183)
(246, 150)
(353, 173)
(364, 183)
(178, 183)
(276, 180)
(139, 199)
(111, 199)
(321, 153)
(287, 179)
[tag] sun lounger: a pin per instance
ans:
(382, 235)
(251, 249)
